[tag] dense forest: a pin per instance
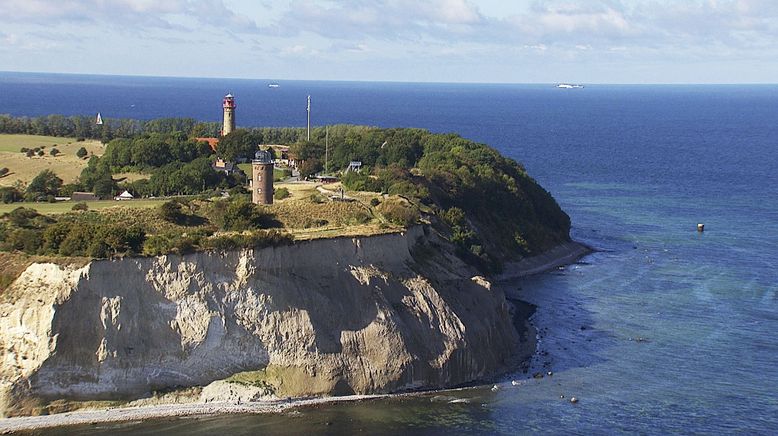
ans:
(491, 208)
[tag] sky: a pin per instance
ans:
(489, 41)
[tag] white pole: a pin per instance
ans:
(327, 149)
(309, 118)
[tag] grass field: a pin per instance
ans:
(23, 169)
(14, 143)
(66, 206)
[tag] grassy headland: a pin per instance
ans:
(486, 204)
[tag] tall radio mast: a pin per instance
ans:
(309, 118)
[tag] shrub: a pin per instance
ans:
(10, 195)
(54, 235)
(80, 206)
(312, 222)
(317, 198)
(375, 202)
(81, 153)
(40, 153)
(24, 149)
(281, 193)
(29, 153)
(118, 239)
(254, 239)
(54, 152)
(237, 214)
(359, 217)
(4, 171)
(157, 245)
(170, 211)
(77, 241)
(399, 212)
(27, 240)
(22, 216)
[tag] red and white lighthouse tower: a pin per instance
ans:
(229, 115)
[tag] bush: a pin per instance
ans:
(54, 235)
(237, 214)
(281, 193)
(77, 241)
(171, 211)
(4, 171)
(29, 153)
(375, 202)
(10, 195)
(22, 216)
(255, 239)
(40, 153)
(54, 152)
(398, 212)
(317, 198)
(81, 153)
(82, 206)
(27, 240)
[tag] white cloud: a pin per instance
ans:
(379, 19)
(124, 13)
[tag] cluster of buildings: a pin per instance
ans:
(261, 181)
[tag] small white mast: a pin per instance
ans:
(309, 118)
(327, 150)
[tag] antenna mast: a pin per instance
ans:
(309, 118)
(326, 150)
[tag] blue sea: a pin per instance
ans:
(661, 330)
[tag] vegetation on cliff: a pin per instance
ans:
(487, 204)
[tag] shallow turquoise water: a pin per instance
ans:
(636, 168)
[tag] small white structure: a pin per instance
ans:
(355, 166)
(124, 196)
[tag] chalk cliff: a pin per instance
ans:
(345, 315)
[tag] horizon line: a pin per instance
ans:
(270, 79)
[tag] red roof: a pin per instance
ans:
(213, 142)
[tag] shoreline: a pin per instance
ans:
(171, 410)
(562, 254)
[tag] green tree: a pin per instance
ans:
(240, 143)
(10, 195)
(171, 211)
(310, 167)
(46, 183)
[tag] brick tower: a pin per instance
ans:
(262, 178)
(229, 115)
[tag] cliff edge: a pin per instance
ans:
(334, 316)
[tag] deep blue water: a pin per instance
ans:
(636, 167)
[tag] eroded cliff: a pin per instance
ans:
(336, 316)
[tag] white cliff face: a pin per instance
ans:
(336, 316)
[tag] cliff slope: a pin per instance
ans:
(336, 316)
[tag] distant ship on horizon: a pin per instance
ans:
(569, 86)
(273, 85)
